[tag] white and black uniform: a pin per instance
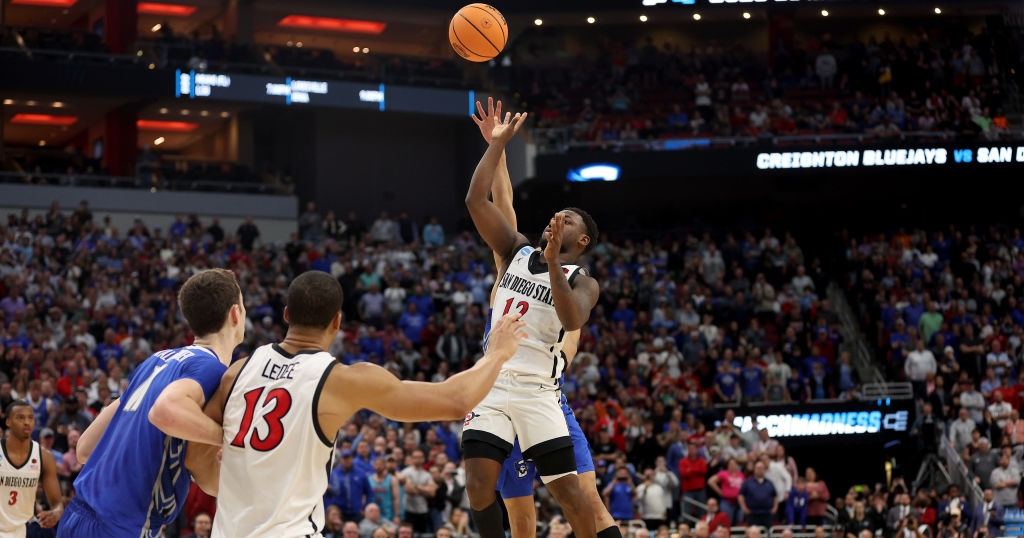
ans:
(525, 399)
(276, 459)
(18, 490)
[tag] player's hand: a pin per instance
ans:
(49, 518)
(505, 129)
(505, 336)
(554, 236)
(485, 120)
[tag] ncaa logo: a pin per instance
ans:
(469, 416)
(521, 469)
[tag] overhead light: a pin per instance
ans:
(204, 113)
(299, 44)
(160, 125)
(332, 24)
(643, 18)
(58, 104)
(152, 66)
(289, 43)
(46, 3)
(356, 49)
(8, 101)
(696, 16)
(538, 22)
(824, 13)
(31, 103)
(156, 28)
(366, 50)
(746, 15)
(938, 11)
(158, 141)
(168, 10)
(591, 20)
(42, 143)
(44, 119)
(225, 114)
(185, 112)
(163, 110)
(881, 11)
(138, 53)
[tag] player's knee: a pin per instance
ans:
(480, 488)
(556, 463)
(523, 525)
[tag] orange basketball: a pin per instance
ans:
(478, 32)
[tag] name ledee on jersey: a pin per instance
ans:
(274, 371)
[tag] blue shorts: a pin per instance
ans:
(517, 474)
(79, 521)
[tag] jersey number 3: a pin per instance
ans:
(522, 307)
(14, 499)
(272, 416)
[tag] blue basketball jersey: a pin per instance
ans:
(135, 480)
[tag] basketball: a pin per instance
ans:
(478, 32)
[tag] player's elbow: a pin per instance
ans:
(162, 415)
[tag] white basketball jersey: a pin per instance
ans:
(276, 461)
(18, 490)
(526, 288)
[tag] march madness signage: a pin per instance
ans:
(868, 421)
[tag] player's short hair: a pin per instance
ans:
(14, 405)
(206, 299)
(591, 225)
(313, 299)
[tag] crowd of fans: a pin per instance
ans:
(637, 90)
(943, 310)
(679, 327)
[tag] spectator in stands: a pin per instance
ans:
(348, 489)
(419, 487)
(618, 495)
(973, 401)
(758, 498)
(983, 462)
(311, 224)
(373, 521)
(247, 234)
(988, 516)
(817, 497)
(692, 470)
(650, 498)
(726, 485)
(433, 233)
(920, 363)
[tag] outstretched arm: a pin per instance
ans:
(490, 222)
(408, 401)
(501, 187)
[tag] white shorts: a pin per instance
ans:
(524, 406)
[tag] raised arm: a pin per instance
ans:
(490, 222)
(409, 401)
(501, 186)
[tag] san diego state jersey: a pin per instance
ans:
(18, 489)
(276, 460)
(526, 288)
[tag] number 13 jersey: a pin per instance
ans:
(526, 288)
(276, 459)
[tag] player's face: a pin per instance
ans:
(571, 233)
(20, 422)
